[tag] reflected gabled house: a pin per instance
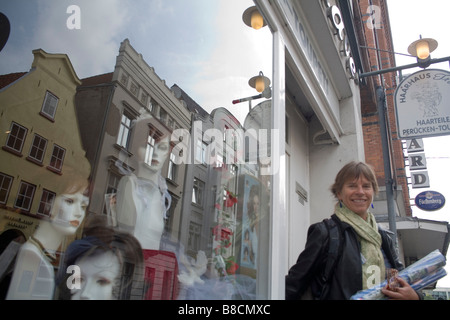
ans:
(41, 148)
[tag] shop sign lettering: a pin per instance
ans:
(422, 103)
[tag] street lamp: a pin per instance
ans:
(259, 82)
(421, 49)
(262, 84)
(253, 18)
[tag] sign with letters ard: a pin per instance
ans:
(422, 103)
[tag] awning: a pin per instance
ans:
(419, 237)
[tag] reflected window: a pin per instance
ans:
(38, 148)
(200, 152)
(16, 137)
(149, 150)
(46, 202)
(5, 186)
(123, 138)
(57, 159)
(197, 191)
(195, 234)
(172, 172)
(25, 196)
(50, 105)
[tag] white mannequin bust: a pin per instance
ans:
(140, 198)
(34, 276)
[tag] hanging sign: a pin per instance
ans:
(430, 200)
(422, 103)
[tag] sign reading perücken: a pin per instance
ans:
(422, 103)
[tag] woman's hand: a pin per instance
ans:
(403, 292)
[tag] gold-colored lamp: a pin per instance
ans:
(422, 48)
(253, 18)
(259, 82)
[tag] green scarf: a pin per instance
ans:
(370, 240)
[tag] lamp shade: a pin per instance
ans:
(259, 82)
(253, 18)
(422, 48)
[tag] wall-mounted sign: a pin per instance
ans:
(420, 179)
(422, 103)
(430, 200)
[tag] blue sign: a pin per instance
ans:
(430, 200)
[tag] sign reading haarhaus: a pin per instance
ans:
(422, 103)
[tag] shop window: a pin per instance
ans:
(5, 187)
(57, 159)
(123, 138)
(46, 203)
(197, 191)
(37, 150)
(16, 138)
(49, 106)
(25, 196)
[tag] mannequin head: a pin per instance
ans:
(100, 270)
(68, 211)
(110, 264)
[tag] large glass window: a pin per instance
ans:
(178, 196)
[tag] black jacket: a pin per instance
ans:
(347, 278)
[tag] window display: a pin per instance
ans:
(125, 187)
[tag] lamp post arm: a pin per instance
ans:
(408, 66)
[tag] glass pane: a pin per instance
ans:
(185, 204)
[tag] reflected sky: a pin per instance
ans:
(201, 45)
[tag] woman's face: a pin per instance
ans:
(98, 274)
(357, 195)
(69, 211)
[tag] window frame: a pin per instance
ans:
(23, 195)
(51, 165)
(33, 146)
(5, 190)
(20, 136)
(46, 105)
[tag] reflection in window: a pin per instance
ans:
(49, 106)
(195, 231)
(172, 172)
(57, 159)
(149, 150)
(123, 137)
(37, 149)
(16, 137)
(25, 196)
(197, 191)
(5, 186)
(46, 203)
(200, 152)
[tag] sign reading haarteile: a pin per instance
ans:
(422, 103)
(430, 200)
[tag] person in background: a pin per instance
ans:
(365, 246)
